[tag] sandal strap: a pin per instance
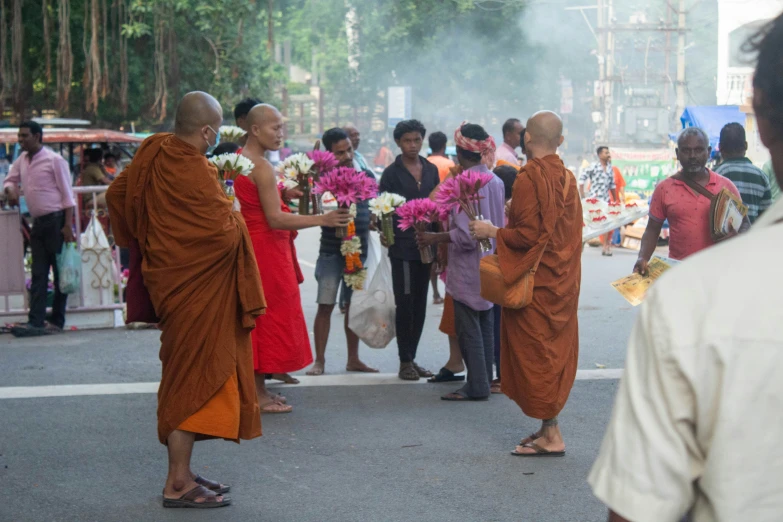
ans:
(199, 492)
(209, 484)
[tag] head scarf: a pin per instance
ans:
(485, 147)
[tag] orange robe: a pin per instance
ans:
(199, 268)
(539, 344)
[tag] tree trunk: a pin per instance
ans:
(105, 27)
(47, 43)
(5, 84)
(94, 59)
(64, 56)
(122, 16)
(17, 65)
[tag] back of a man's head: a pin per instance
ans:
(545, 129)
(438, 142)
(242, 109)
(732, 140)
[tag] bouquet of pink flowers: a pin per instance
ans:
(324, 161)
(417, 213)
(348, 187)
(462, 193)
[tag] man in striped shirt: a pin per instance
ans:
(752, 183)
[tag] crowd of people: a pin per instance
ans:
(224, 285)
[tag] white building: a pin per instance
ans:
(737, 20)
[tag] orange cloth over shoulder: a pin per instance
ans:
(540, 343)
(201, 274)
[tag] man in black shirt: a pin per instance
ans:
(412, 177)
(331, 264)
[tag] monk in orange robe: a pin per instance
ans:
(199, 268)
(540, 343)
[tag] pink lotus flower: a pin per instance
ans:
(416, 211)
(347, 186)
(324, 161)
(462, 190)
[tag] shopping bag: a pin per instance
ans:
(373, 255)
(372, 312)
(69, 268)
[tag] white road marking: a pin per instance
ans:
(358, 379)
(308, 264)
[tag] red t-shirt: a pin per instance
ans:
(688, 213)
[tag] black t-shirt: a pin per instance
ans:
(398, 180)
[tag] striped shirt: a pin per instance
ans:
(752, 183)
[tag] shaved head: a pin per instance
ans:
(196, 110)
(545, 129)
(262, 113)
(265, 125)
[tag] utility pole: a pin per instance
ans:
(609, 78)
(601, 69)
(681, 58)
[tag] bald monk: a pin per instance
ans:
(200, 271)
(540, 343)
(281, 343)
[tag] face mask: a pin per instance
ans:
(217, 139)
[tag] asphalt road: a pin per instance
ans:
(347, 453)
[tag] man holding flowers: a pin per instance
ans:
(474, 194)
(331, 265)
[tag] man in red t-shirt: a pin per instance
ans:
(687, 211)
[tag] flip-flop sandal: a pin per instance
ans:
(532, 437)
(458, 397)
(211, 485)
(188, 500)
(26, 330)
(446, 375)
(496, 389)
(540, 452)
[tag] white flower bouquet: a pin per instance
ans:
(383, 208)
(230, 133)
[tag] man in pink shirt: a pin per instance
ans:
(512, 138)
(46, 183)
(687, 211)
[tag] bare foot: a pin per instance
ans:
(359, 366)
(275, 407)
(284, 378)
(317, 369)
(437, 300)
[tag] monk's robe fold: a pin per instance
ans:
(540, 343)
(201, 273)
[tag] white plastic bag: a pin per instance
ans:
(373, 255)
(372, 312)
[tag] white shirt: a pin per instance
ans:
(697, 420)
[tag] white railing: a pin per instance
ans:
(99, 301)
(738, 87)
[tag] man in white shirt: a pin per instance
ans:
(696, 426)
(512, 138)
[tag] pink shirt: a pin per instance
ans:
(506, 153)
(46, 182)
(688, 213)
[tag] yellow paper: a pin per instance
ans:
(634, 287)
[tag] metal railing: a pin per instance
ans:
(101, 283)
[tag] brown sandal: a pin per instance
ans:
(423, 372)
(274, 407)
(211, 485)
(189, 499)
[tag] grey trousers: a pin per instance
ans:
(475, 332)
